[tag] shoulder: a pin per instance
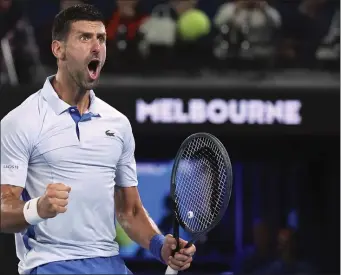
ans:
(25, 117)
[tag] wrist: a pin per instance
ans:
(30, 211)
(155, 246)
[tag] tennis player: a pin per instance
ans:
(68, 166)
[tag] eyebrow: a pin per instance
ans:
(91, 33)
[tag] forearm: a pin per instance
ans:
(12, 216)
(138, 226)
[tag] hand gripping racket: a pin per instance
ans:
(201, 186)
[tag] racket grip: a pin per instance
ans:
(189, 244)
(171, 271)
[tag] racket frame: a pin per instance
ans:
(176, 220)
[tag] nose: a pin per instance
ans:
(95, 47)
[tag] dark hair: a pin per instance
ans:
(64, 19)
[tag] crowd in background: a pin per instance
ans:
(261, 257)
(177, 36)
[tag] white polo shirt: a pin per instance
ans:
(42, 143)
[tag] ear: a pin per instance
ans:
(58, 49)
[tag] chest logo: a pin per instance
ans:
(109, 133)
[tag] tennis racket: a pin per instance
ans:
(201, 186)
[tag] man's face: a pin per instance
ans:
(84, 53)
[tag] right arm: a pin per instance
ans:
(12, 216)
(15, 154)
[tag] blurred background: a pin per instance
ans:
(263, 76)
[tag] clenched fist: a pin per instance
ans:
(182, 259)
(54, 201)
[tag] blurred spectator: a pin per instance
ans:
(329, 49)
(9, 16)
(249, 26)
(123, 36)
(126, 19)
(144, 36)
(21, 60)
(160, 38)
(10, 13)
(160, 28)
(304, 27)
(257, 256)
(288, 261)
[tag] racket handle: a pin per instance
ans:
(171, 271)
(189, 244)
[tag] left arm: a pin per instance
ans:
(128, 206)
(133, 217)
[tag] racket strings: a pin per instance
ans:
(204, 206)
(196, 205)
(201, 184)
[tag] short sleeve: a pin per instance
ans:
(15, 151)
(126, 175)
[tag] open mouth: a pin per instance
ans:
(93, 68)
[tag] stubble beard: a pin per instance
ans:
(81, 80)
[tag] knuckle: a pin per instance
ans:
(59, 209)
(190, 260)
(50, 200)
(50, 193)
(53, 207)
(184, 258)
(65, 187)
(62, 195)
(173, 261)
(186, 266)
(179, 263)
(174, 267)
(169, 237)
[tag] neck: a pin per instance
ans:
(70, 92)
